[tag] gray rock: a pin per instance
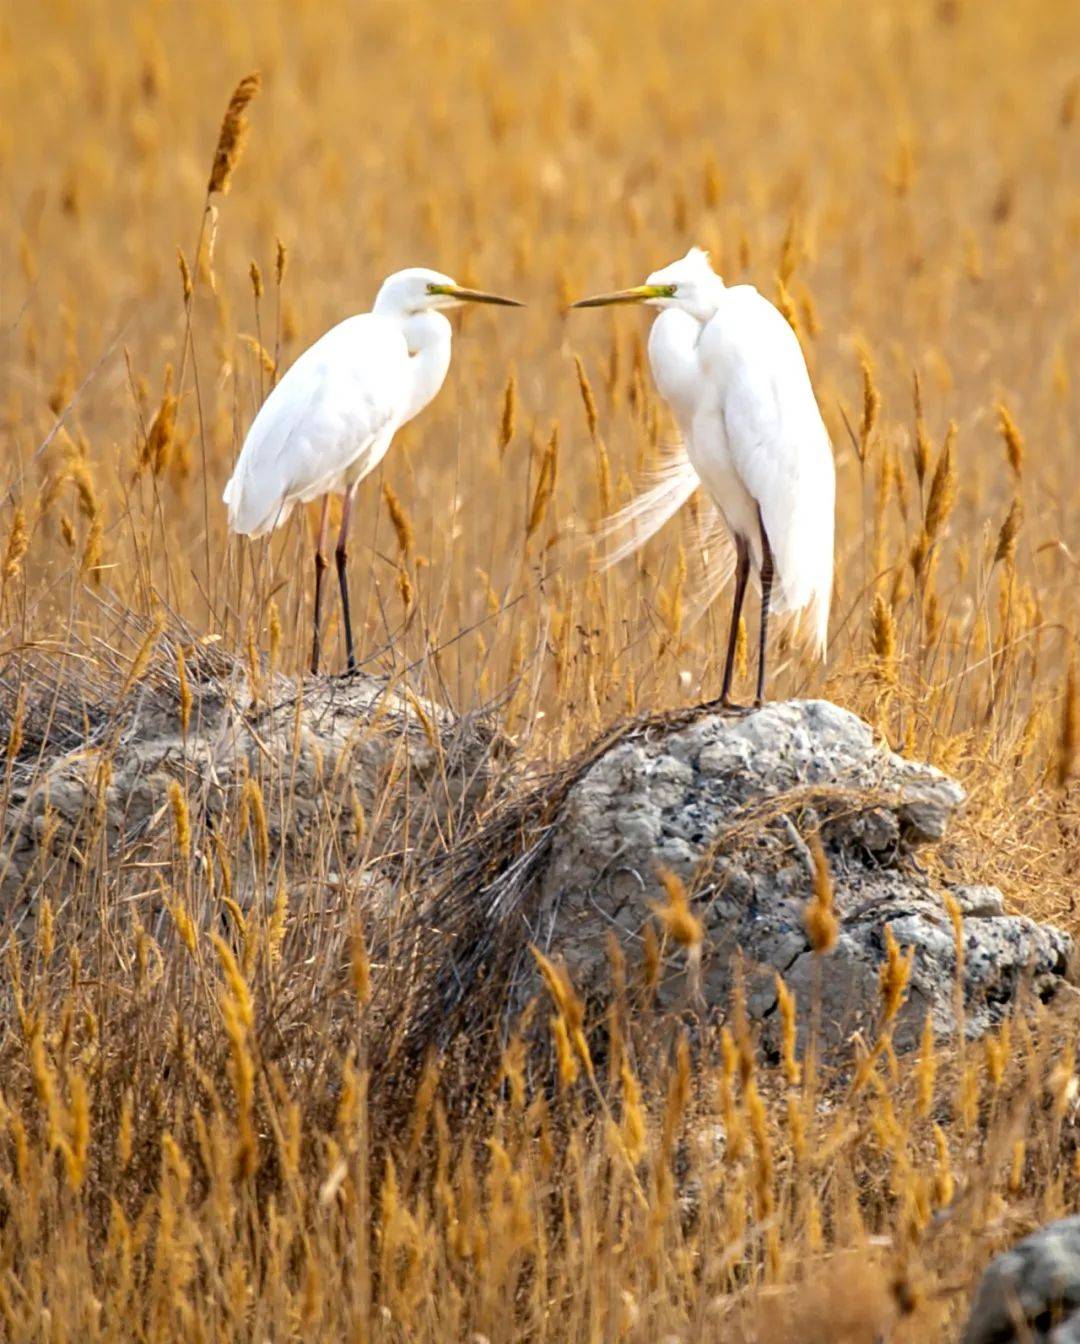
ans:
(318, 752)
(1031, 1292)
(725, 802)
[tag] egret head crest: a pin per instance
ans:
(692, 270)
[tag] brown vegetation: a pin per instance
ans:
(197, 1135)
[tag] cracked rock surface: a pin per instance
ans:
(725, 802)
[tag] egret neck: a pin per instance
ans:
(673, 357)
(427, 335)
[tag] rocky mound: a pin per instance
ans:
(727, 802)
(329, 756)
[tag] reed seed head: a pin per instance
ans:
(1069, 738)
(1011, 437)
(233, 133)
(675, 914)
(400, 520)
(822, 926)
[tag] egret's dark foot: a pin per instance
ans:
(759, 701)
(725, 704)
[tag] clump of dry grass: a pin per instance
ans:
(275, 1133)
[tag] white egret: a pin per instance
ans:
(733, 372)
(330, 420)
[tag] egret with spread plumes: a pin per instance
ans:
(330, 420)
(732, 370)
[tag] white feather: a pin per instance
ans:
(714, 565)
(627, 530)
(712, 555)
(335, 409)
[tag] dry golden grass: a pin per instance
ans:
(193, 1140)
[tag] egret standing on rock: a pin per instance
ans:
(330, 420)
(733, 372)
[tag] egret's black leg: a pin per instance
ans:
(742, 571)
(766, 593)
(320, 570)
(341, 555)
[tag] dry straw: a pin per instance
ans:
(592, 419)
(883, 640)
(185, 698)
(674, 914)
(545, 483)
(786, 304)
(1005, 550)
(15, 728)
(143, 654)
(181, 817)
(161, 435)
(587, 398)
(185, 276)
(942, 496)
(921, 447)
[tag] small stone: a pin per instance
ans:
(1031, 1292)
(979, 902)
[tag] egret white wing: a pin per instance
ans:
(329, 418)
(780, 449)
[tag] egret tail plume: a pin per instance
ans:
(818, 617)
(714, 565)
(627, 530)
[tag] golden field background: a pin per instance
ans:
(903, 179)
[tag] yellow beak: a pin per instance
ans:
(474, 295)
(638, 294)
